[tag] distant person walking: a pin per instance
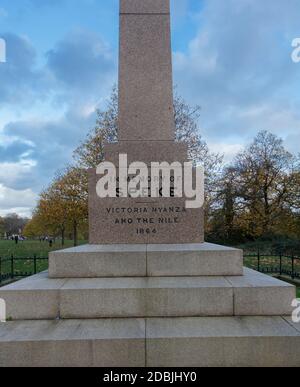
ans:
(16, 239)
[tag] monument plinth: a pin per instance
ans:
(133, 299)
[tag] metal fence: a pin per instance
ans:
(15, 267)
(280, 264)
(19, 267)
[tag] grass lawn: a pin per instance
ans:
(298, 292)
(26, 249)
(30, 248)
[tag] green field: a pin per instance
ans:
(27, 249)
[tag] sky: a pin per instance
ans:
(233, 58)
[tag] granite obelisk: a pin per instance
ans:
(146, 133)
(145, 72)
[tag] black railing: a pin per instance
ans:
(280, 264)
(19, 267)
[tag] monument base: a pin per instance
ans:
(176, 342)
(149, 306)
(98, 261)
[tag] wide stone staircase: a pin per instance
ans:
(149, 306)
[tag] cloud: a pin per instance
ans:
(78, 70)
(239, 69)
(82, 62)
(14, 151)
(20, 81)
(17, 175)
(3, 13)
(26, 200)
(80, 66)
(292, 141)
(41, 147)
(45, 3)
(228, 150)
(56, 103)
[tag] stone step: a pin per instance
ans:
(223, 342)
(39, 297)
(73, 343)
(93, 261)
(167, 342)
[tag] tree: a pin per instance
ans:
(14, 224)
(71, 188)
(295, 188)
(258, 195)
(62, 206)
(294, 200)
(2, 229)
(90, 153)
(263, 179)
(69, 198)
(223, 224)
(37, 226)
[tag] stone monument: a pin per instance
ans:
(132, 299)
(146, 133)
